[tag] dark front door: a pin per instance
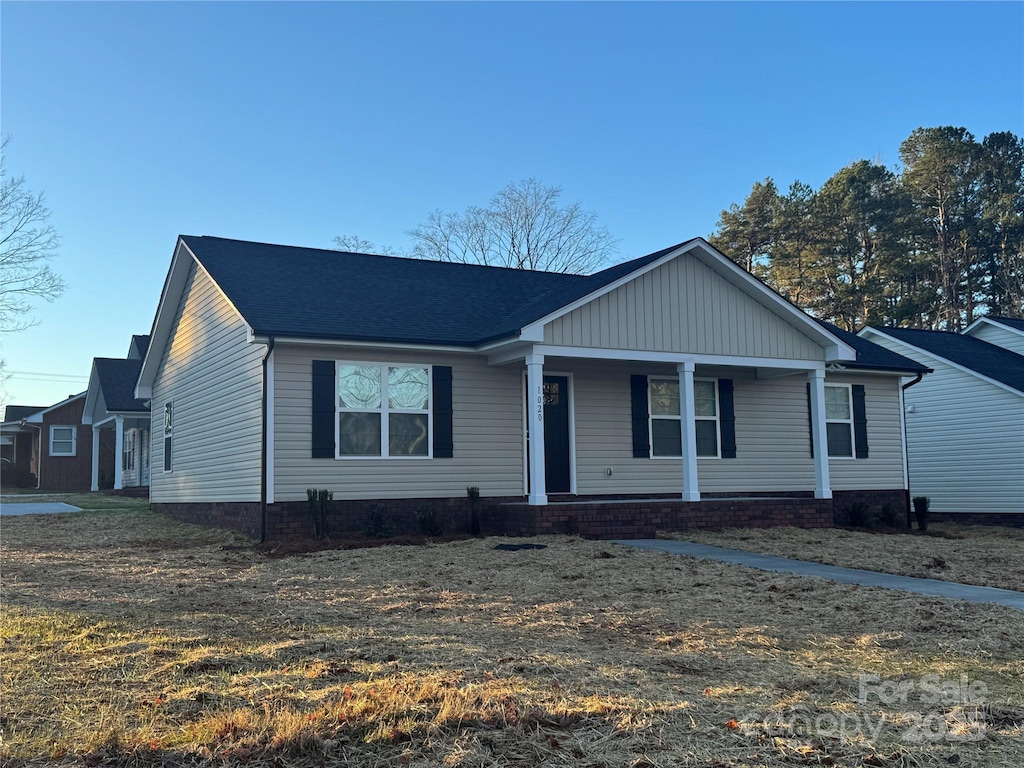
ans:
(556, 434)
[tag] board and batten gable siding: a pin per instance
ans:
(772, 436)
(682, 306)
(213, 376)
(1001, 337)
(487, 425)
(965, 439)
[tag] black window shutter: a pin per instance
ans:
(727, 418)
(860, 423)
(810, 418)
(641, 430)
(443, 441)
(323, 409)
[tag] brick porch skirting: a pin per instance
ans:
(1010, 519)
(623, 517)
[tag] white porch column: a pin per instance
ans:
(688, 427)
(95, 485)
(535, 427)
(819, 435)
(118, 451)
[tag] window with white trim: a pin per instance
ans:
(128, 451)
(383, 410)
(666, 435)
(168, 435)
(839, 419)
(63, 441)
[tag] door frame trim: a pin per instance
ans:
(572, 432)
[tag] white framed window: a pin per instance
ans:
(63, 440)
(839, 420)
(128, 451)
(666, 435)
(168, 435)
(384, 410)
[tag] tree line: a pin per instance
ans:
(933, 244)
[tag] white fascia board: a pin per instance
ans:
(92, 394)
(835, 348)
(931, 355)
(991, 321)
(37, 418)
(631, 355)
(174, 286)
(170, 298)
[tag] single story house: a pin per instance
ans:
(111, 407)
(965, 421)
(675, 385)
(57, 447)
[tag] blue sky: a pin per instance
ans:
(296, 122)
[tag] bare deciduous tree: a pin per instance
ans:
(523, 227)
(357, 244)
(27, 242)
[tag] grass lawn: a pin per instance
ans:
(985, 555)
(131, 640)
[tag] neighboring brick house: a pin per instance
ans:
(61, 453)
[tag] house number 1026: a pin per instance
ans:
(540, 403)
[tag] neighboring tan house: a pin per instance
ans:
(965, 421)
(677, 379)
(111, 407)
(59, 448)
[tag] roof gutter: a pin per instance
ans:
(263, 445)
(917, 380)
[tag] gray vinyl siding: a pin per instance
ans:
(883, 469)
(965, 439)
(1001, 337)
(682, 306)
(772, 437)
(487, 425)
(213, 377)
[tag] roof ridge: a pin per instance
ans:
(417, 259)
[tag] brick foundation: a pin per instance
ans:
(1009, 519)
(625, 517)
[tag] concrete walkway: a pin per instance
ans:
(8, 509)
(932, 587)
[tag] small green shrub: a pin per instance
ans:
(921, 505)
(426, 518)
(377, 523)
(316, 502)
(890, 516)
(473, 501)
(858, 515)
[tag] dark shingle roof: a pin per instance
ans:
(285, 290)
(141, 342)
(117, 383)
(871, 356)
(996, 363)
(308, 292)
(19, 412)
(1013, 322)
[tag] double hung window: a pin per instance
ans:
(383, 410)
(666, 435)
(839, 419)
(168, 435)
(128, 451)
(62, 441)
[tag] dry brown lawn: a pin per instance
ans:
(130, 640)
(985, 555)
